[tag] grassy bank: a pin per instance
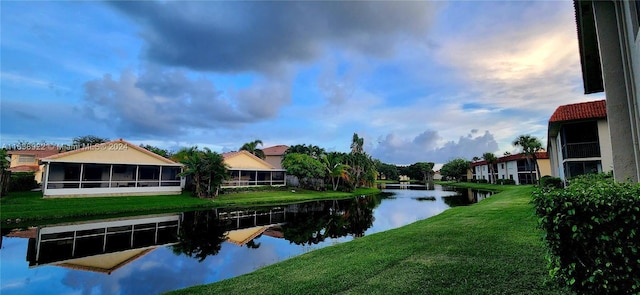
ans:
(492, 247)
(30, 207)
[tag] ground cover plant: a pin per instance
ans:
(492, 247)
(592, 234)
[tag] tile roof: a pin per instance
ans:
(229, 155)
(108, 144)
(276, 150)
(38, 152)
(580, 111)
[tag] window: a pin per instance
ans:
(635, 15)
(26, 159)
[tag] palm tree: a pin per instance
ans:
(207, 169)
(530, 146)
(252, 147)
(491, 159)
(335, 169)
(357, 144)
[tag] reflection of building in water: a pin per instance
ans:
(246, 225)
(101, 246)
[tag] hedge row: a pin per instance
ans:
(22, 181)
(592, 234)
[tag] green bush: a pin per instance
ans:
(505, 181)
(244, 189)
(482, 181)
(550, 181)
(592, 234)
(22, 181)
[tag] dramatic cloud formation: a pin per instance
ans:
(247, 36)
(426, 147)
(167, 102)
(412, 78)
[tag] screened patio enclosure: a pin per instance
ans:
(252, 177)
(63, 178)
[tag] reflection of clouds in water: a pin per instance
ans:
(144, 276)
(405, 208)
(163, 270)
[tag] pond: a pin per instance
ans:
(157, 253)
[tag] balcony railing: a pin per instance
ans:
(581, 150)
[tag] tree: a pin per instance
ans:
(421, 170)
(335, 169)
(530, 146)
(475, 159)
(304, 167)
(5, 174)
(87, 140)
(156, 150)
(491, 160)
(208, 171)
(389, 171)
(314, 151)
(456, 168)
(252, 147)
(357, 144)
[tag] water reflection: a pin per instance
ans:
(154, 254)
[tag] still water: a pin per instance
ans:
(158, 253)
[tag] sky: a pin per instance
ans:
(419, 81)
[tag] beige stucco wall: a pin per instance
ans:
(275, 161)
(112, 154)
(15, 161)
(545, 167)
(243, 161)
(606, 150)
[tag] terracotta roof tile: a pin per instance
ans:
(277, 150)
(39, 152)
(580, 111)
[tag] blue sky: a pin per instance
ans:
(420, 81)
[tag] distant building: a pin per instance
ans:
(578, 140)
(514, 167)
(274, 155)
(609, 44)
(28, 159)
(246, 169)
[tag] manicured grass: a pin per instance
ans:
(31, 207)
(492, 247)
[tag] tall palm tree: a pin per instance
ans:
(530, 146)
(357, 144)
(491, 159)
(252, 147)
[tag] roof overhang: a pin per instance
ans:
(588, 46)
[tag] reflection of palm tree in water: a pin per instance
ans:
(201, 234)
(252, 244)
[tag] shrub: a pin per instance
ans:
(482, 181)
(22, 181)
(592, 234)
(549, 181)
(505, 181)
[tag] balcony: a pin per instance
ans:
(581, 150)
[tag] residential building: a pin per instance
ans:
(274, 155)
(248, 170)
(28, 159)
(114, 168)
(514, 167)
(578, 140)
(609, 44)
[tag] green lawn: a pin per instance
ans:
(492, 247)
(30, 207)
